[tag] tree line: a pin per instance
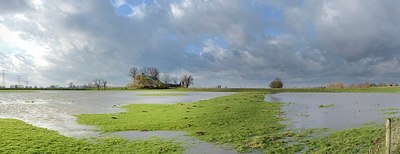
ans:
(97, 83)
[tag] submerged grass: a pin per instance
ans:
(19, 137)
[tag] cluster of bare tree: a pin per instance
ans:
(149, 77)
(186, 80)
(97, 83)
(100, 83)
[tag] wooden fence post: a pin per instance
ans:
(388, 135)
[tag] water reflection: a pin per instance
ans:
(336, 110)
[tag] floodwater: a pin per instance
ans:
(193, 145)
(55, 109)
(338, 110)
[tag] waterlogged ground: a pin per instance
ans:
(195, 145)
(242, 121)
(55, 109)
(336, 110)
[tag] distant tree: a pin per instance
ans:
(133, 72)
(98, 83)
(165, 78)
(71, 85)
(104, 82)
(186, 80)
(154, 73)
(174, 79)
(277, 83)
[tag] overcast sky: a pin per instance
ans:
(234, 43)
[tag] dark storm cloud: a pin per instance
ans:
(240, 43)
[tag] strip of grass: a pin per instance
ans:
(19, 137)
(237, 119)
(162, 94)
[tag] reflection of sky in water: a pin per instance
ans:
(349, 110)
(55, 109)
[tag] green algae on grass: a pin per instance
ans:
(19, 137)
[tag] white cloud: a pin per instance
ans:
(61, 41)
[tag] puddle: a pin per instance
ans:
(336, 110)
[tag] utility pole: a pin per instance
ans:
(26, 84)
(4, 80)
(18, 81)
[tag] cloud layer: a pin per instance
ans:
(237, 43)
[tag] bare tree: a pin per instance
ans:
(151, 72)
(187, 80)
(133, 72)
(104, 82)
(97, 83)
(154, 73)
(174, 79)
(145, 71)
(165, 78)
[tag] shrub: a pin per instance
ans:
(277, 83)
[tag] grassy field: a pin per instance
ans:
(355, 140)
(241, 120)
(19, 137)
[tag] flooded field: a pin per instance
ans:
(336, 110)
(194, 146)
(55, 109)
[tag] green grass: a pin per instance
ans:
(162, 94)
(19, 137)
(241, 120)
(326, 106)
(237, 119)
(355, 140)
